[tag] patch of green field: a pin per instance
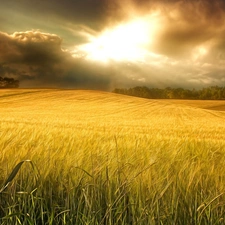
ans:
(104, 158)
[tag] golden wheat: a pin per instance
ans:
(105, 158)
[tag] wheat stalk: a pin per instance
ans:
(14, 173)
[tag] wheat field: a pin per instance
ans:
(104, 158)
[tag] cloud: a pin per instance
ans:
(37, 59)
(30, 47)
(187, 43)
(185, 25)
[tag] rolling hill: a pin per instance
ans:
(105, 158)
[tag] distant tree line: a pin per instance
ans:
(6, 82)
(209, 93)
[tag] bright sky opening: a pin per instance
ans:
(102, 44)
(121, 43)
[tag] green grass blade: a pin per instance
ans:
(13, 174)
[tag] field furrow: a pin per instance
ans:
(104, 158)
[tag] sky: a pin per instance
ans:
(107, 44)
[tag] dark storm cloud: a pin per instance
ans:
(30, 47)
(36, 59)
(188, 24)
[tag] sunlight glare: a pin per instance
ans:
(124, 42)
(199, 52)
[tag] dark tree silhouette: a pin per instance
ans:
(8, 83)
(209, 93)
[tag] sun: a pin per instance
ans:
(124, 42)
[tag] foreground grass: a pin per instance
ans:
(103, 158)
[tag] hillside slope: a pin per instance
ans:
(104, 158)
(102, 110)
